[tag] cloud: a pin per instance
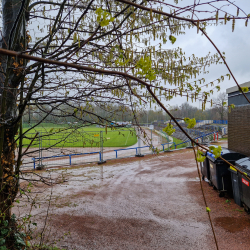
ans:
(234, 44)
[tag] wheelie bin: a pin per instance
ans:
(220, 176)
(244, 183)
(236, 184)
(204, 166)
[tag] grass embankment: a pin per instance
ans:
(178, 141)
(65, 136)
(223, 139)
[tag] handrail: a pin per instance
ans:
(197, 138)
(68, 155)
(175, 145)
(130, 148)
(168, 143)
(116, 150)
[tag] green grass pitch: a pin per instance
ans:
(82, 137)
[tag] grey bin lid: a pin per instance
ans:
(227, 154)
(243, 164)
(224, 150)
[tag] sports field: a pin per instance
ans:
(79, 137)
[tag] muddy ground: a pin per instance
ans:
(151, 202)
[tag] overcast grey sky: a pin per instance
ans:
(234, 44)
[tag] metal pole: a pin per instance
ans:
(101, 143)
(139, 142)
(147, 118)
(101, 148)
(39, 143)
(41, 150)
(34, 161)
(138, 149)
(152, 137)
(152, 140)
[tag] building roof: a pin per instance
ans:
(235, 88)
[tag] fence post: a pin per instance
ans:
(139, 141)
(41, 150)
(101, 144)
(152, 140)
(70, 160)
(34, 160)
(101, 149)
(39, 143)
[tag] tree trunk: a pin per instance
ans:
(13, 37)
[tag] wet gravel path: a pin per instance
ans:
(153, 202)
(143, 204)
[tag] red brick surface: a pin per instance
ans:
(239, 129)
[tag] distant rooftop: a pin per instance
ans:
(235, 88)
(236, 97)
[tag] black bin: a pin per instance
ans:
(236, 185)
(244, 183)
(220, 176)
(204, 166)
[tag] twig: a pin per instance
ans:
(47, 214)
(30, 143)
(204, 198)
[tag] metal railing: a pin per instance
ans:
(220, 121)
(201, 138)
(136, 150)
(42, 157)
(62, 156)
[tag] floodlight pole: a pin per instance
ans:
(147, 118)
(138, 151)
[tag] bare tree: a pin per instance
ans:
(220, 106)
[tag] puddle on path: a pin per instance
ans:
(233, 224)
